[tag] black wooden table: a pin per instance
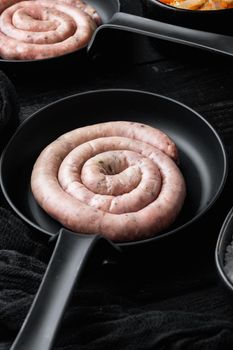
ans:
(180, 274)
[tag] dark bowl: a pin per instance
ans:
(216, 21)
(224, 252)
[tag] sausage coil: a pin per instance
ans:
(38, 29)
(118, 179)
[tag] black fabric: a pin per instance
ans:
(9, 109)
(119, 316)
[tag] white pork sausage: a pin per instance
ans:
(118, 179)
(37, 29)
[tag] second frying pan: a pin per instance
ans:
(202, 162)
(113, 19)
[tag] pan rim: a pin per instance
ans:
(122, 90)
(219, 249)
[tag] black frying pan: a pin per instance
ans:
(207, 20)
(113, 19)
(202, 161)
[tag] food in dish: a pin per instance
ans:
(119, 179)
(200, 4)
(39, 29)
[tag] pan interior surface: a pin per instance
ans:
(106, 9)
(202, 155)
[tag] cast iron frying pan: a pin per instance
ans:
(202, 162)
(113, 19)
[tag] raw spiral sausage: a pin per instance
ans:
(38, 29)
(118, 179)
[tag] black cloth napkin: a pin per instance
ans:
(9, 109)
(120, 316)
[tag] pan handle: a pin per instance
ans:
(196, 38)
(66, 264)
